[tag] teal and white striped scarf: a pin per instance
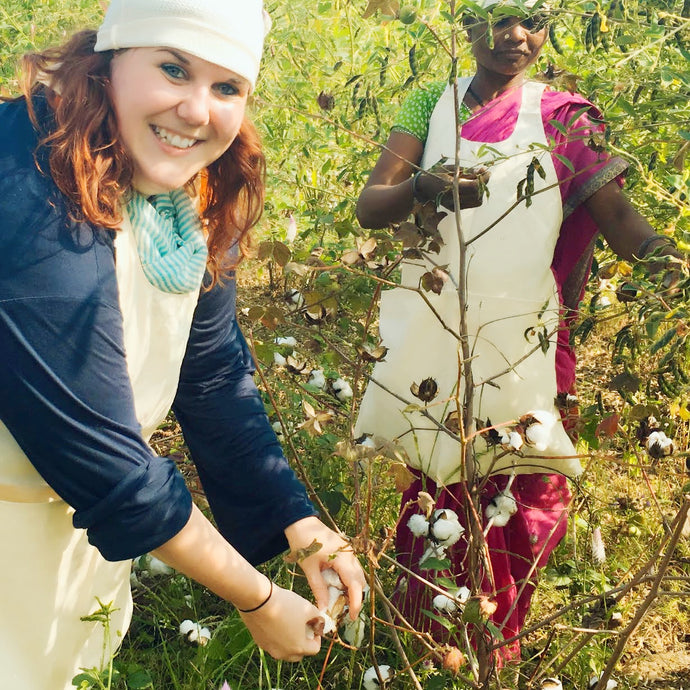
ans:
(170, 242)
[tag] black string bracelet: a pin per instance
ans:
(263, 603)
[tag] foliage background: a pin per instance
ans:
(334, 74)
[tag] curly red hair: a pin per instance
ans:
(91, 168)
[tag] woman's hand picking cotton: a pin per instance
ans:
(335, 553)
(286, 626)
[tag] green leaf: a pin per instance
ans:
(665, 339)
(139, 680)
(566, 161)
(556, 124)
(435, 564)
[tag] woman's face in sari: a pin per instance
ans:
(516, 44)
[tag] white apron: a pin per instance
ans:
(51, 575)
(509, 284)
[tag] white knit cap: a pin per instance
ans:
(228, 33)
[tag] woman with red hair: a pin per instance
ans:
(130, 176)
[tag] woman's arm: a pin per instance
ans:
(396, 184)
(281, 626)
(625, 230)
(387, 196)
(257, 501)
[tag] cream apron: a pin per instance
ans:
(510, 291)
(51, 575)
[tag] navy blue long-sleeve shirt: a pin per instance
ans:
(65, 394)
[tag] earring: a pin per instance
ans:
(506, 37)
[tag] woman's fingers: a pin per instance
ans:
(353, 578)
(286, 627)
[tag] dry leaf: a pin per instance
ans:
(387, 7)
(425, 502)
(301, 554)
(608, 426)
(453, 660)
(402, 476)
(372, 354)
(326, 101)
(426, 390)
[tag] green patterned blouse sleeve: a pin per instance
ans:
(415, 113)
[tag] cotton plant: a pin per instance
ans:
(451, 602)
(442, 529)
(533, 430)
(194, 632)
(294, 299)
(335, 613)
(287, 341)
(342, 389)
(370, 680)
(610, 683)
(501, 508)
(150, 565)
(659, 445)
(317, 378)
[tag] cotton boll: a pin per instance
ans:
(295, 299)
(194, 632)
(433, 551)
(371, 680)
(610, 683)
(505, 502)
(444, 604)
(367, 442)
(337, 601)
(445, 527)
(289, 341)
(186, 627)
(291, 230)
(332, 579)
(419, 525)
(544, 417)
(537, 435)
(515, 441)
(317, 379)
(279, 360)
(342, 389)
(462, 594)
(659, 445)
(278, 428)
(151, 565)
(329, 625)
(354, 631)
(499, 518)
(551, 684)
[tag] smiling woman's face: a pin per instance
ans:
(516, 45)
(176, 114)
